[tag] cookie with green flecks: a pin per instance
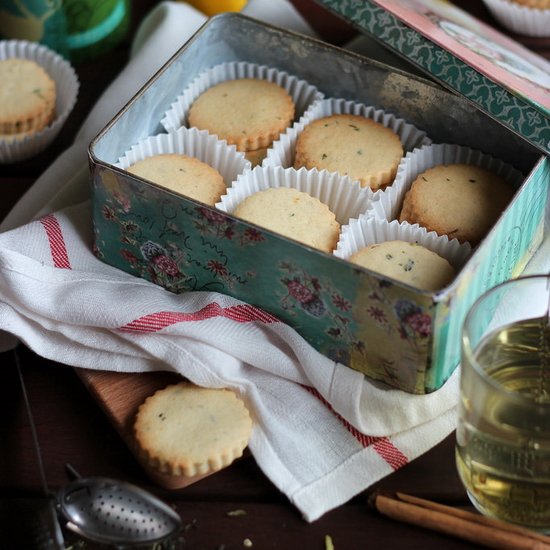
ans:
(186, 430)
(183, 174)
(410, 263)
(293, 214)
(351, 145)
(249, 113)
(27, 98)
(461, 201)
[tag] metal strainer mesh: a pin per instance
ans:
(115, 512)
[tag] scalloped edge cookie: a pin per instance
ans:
(187, 430)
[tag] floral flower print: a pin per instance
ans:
(122, 200)
(377, 314)
(404, 308)
(129, 256)
(298, 290)
(150, 249)
(306, 298)
(420, 323)
(341, 303)
(108, 212)
(254, 235)
(411, 316)
(217, 267)
(166, 265)
(315, 307)
(214, 217)
(129, 226)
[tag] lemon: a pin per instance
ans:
(212, 7)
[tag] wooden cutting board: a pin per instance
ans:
(120, 395)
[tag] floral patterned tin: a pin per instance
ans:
(393, 333)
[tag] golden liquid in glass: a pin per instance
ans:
(503, 438)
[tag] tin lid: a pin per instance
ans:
(504, 79)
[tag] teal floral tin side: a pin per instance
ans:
(503, 255)
(349, 315)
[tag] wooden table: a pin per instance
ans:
(73, 429)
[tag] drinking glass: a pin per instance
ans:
(503, 431)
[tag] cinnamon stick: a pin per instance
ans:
(478, 518)
(458, 523)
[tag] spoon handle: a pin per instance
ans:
(48, 534)
(71, 472)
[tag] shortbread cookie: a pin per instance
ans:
(410, 263)
(247, 112)
(350, 145)
(186, 175)
(27, 97)
(186, 430)
(458, 200)
(294, 214)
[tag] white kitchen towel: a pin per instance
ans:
(322, 434)
(322, 431)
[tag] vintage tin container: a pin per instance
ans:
(389, 331)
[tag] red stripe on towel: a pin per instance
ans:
(162, 319)
(382, 445)
(57, 242)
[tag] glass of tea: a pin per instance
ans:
(503, 431)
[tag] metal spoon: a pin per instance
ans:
(115, 512)
(100, 509)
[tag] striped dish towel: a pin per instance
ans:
(322, 434)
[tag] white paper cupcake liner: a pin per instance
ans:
(414, 163)
(520, 19)
(283, 151)
(367, 230)
(194, 143)
(302, 93)
(344, 197)
(67, 86)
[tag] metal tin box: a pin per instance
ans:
(391, 332)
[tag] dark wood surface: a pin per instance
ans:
(73, 429)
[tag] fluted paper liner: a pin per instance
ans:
(344, 197)
(414, 163)
(521, 19)
(302, 93)
(367, 230)
(283, 150)
(67, 86)
(194, 143)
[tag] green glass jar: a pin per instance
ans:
(41, 21)
(94, 27)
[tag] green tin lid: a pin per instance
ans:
(504, 79)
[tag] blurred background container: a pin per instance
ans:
(94, 27)
(34, 20)
(77, 29)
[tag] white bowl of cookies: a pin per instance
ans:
(38, 90)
